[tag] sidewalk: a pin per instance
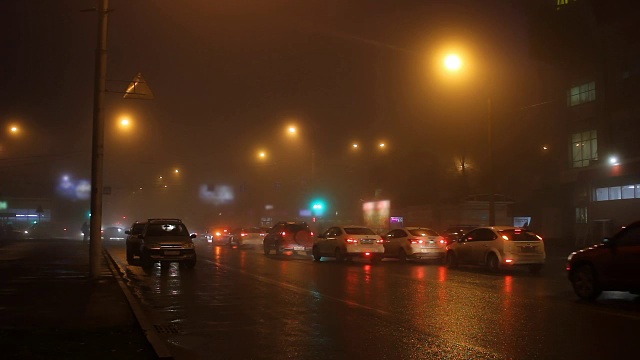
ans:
(50, 309)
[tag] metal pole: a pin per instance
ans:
(97, 148)
(492, 205)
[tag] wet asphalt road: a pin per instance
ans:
(240, 304)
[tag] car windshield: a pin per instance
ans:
(167, 230)
(359, 231)
(423, 232)
(520, 235)
(254, 230)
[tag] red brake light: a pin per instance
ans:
(415, 241)
(379, 241)
(311, 233)
(352, 241)
(283, 233)
(367, 254)
(243, 234)
(442, 241)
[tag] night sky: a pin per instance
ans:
(228, 76)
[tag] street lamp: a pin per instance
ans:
(453, 63)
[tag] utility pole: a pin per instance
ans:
(97, 147)
(492, 204)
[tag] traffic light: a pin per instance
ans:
(318, 207)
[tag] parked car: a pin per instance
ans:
(288, 236)
(455, 232)
(414, 243)
(250, 236)
(498, 247)
(613, 265)
(133, 240)
(113, 233)
(166, 240)
(348, 242)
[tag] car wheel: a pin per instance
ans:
(402, 255)
(129, 255)
(492, 262)
(535, 268)
(339, 255)
(584, 282)
(316, 254)
(451, 260)
(145, 261)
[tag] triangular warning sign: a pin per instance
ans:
(138, 89)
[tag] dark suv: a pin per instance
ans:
(133, 241)
(166, 240)
(613, 265)
(288, 236)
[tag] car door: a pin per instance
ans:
(464, 246)
(330, 241)
(482, 244)
(625, 257)
(321, 242)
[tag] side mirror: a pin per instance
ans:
(193, 236)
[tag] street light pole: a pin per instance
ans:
(492, 204)
(97, 148)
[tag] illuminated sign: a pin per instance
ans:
(4, 205)
(396, 219)
(376, 214)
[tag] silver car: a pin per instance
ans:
(415, 243)
(347, 242)
(166, 240)
(498, 247)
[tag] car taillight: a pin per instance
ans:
(311, 233)
(243, 234)
(443, 241)
(263, 234)
(505, 237)
(352, 241)
(367, 254)
(415, 241)
(379, 241)
(283, 233)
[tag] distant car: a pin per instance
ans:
(166, 240)
(252, 236)
(288, 236)
(221, 236)
(348, 242)
(113, 233)
(498, 247)
(613, 265)
(454, 232)
(133, 240)
(45, 230)
(415, 243)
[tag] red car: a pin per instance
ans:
(613, 265)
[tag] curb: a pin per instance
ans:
(159, 346)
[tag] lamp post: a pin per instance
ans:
(453, 63)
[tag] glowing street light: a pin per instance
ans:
(381, 145)
(355, 146)
(453, 62)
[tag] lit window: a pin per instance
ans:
(602, 194)
(561, 3)
(628, 191)
(637, 191)
(581, 94)
(615, 193)
(584, 148)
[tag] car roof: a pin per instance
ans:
(417, 227)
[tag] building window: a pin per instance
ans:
(581, 94)
(617, 193)
(584, 148)
(581, 215)
(561, 3)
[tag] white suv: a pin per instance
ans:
(498, 247)
(347, 242)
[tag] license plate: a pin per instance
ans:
(298, 248)
(172, 252)
(366, 241)
(527, 249)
